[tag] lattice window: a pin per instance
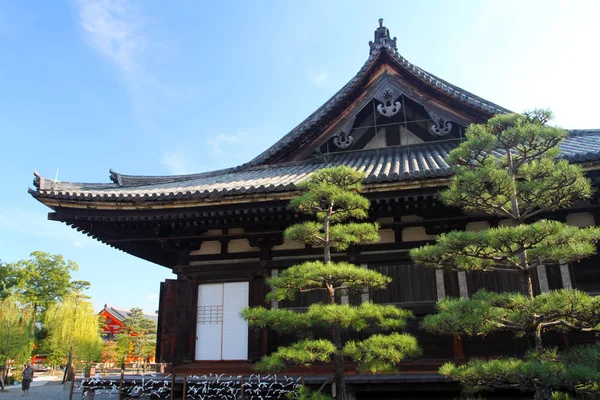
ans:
(209, 315)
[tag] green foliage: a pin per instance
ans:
(545, 372)
(382, 353)
(303, 353)
(336, 188)
(44, 279)
(508, 167)
(514, 146)
(332, 196)
(352, 318)
(501, 248)
(486, 312)
(9, 279)
(73, 328)
(16, 333)
(316, 275)
(141, 334)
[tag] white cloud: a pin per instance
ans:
(177, 162)
(223, 139)
(77, 244)
(319, 79)
(152, 296)
(116, 31)
(113, 29)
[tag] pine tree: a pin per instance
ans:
(509, 168)
(140, 334)
(332, 196)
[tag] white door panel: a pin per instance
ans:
(209, 326)
(235, 329)
(221, 333)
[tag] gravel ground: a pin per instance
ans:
(49, 391)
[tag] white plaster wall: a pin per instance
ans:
(208, 247)
(477, 226)
(410, 218)
(415, 233)
(386, 236)
(239, 246)
(407, 137)
(289, 244)
(582, 220)
(378, 141)
(506, 222)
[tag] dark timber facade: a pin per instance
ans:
(221, 231)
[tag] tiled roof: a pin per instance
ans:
(424, 76)
(121, 314)
(391, 164)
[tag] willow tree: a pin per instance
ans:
(74, 330)
(510, 168)
(16, 338)
(332, 197)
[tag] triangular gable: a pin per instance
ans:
(385, 81)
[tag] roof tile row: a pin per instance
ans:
(392, 164)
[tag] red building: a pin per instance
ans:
(113, 320)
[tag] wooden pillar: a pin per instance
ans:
(439, 284)
(565, 276)
(463, 288)
(364, 296)
(542, 278)
(172, 383)
(458, 351)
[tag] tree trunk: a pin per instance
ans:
(527, 280)
(340, 376)
(69, 368)
(326, 247)
(537, 338)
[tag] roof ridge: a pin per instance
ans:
(119, 178)
(383, 44)
(582, 132)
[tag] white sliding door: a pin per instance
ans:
(210, 322)
(221, 334)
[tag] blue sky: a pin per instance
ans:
(155, 87)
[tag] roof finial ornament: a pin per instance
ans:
(383, 40)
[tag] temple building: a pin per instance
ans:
(220, 232)
(112, 320)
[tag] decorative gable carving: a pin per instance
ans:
(343, 139)
(441, 125)
(388, 96)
